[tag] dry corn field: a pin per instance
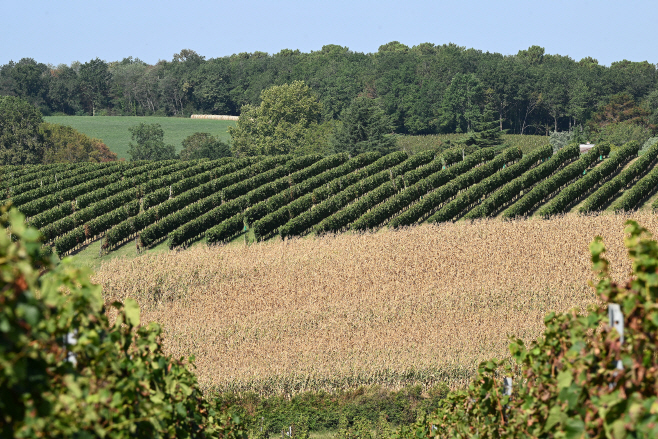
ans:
(424, 304)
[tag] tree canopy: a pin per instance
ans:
(424, 89)
(287, 118)
(204, 146)
(364, 127)
(149, 144)
(21, 142)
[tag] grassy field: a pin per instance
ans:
(113, 130)
(420, 305)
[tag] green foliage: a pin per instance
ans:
(623, 132)
(204, 146)
(285, 122)
(364, 127)
(114, 381)
(150, 144)
(566, 383)
(559, 140)
(609, 190)
(460, 106)
(443, 185)
(475, 193)
(377, 406)
(594, 178)
(486, 133)
(648, 144)
(550, 185)
(509, 192)
(66, 145)
(21, 142)
(641, 190)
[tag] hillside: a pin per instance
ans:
(180, 202)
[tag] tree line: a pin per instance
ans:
(424, 89)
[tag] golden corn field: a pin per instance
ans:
(424, 304)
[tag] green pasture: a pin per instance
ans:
(113, 130)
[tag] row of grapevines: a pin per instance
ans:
(390, 187)
(443, 161)
(595, 177)
(82, 216)
(148, 165)
(241, 195)
(413, 197)
(69, 194)
(45, 174)
(51, 215)
(33, 174)
(86, 173)
(629, 175)
(226, 175)
(363, 181)
(138, 177)
(490, 184)
(159, 190)
(272, 213)
(80, 234)
(326, 184)
(552, 184)
(440, 196)
(503, 196)
(260, 196)
(171, 222)
(643, 188)
(415, 187)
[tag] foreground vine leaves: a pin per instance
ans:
(113, 382)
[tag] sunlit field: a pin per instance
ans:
(420, 305)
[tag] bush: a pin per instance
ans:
(113, 380)
(567, 383)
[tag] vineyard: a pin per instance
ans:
(181, 202)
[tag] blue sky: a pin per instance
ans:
(63, 31)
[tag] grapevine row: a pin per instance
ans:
(359, 183)
(241, 195)
(390, 187)
(441, 195)
(547, 187)
(417, 183)
(609, 190)
(281, 189)
(282, 207)
(596, 176)
(509, 191)
(490, 184)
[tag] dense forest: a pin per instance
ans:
(425, 89)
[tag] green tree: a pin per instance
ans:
(487, 132)
(95, 84)
(21, 143)
(204, 146)
(363, 127)
(460, 108)
(66, 371)
(150, 144)
(281, 124)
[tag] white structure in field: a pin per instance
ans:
(584, 147)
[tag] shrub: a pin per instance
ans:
(114, 380)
